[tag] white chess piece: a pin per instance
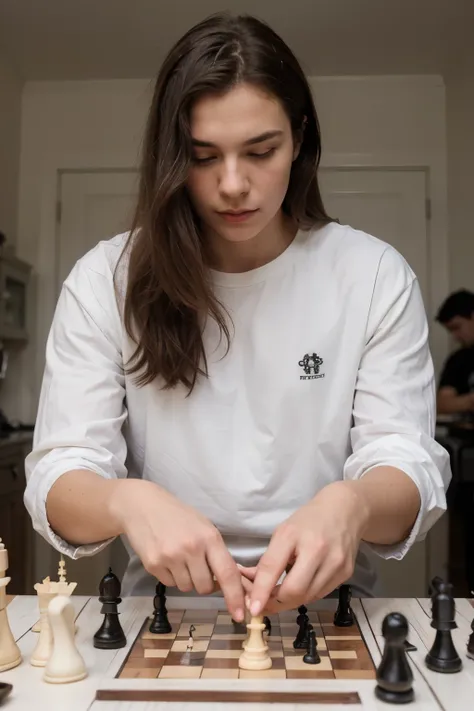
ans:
(61, 579)
(65, 664)
(47, 590)
(44, 646)
(10, 655)
(37, 626)
(255, 656)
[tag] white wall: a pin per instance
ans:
(366, 121)
(10, 114)
(460, 125)
(11, 88)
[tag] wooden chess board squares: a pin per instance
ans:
(193, 616)
(217, 647)
(203, 630)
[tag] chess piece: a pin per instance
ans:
(10, 655)
(46, 590)
(434, 586)
(160, 623)
(443, 656)
(470, 644)
(62, 570)
(255, 655)
(268, 625)
(110, 635)
(191, 638)
(312, 656)
(65, 663)
(433, 589)
(301, 641)
(61, 579)
(344, 616)
(394, 675)
(44, 646)
(37, 626)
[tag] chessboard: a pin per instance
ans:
(217, 646)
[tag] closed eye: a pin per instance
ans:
(201, 161)
(266, 154)
(258, 156)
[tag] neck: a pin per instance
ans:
(267, 245)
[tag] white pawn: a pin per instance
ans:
(65, 664)
(256, 655)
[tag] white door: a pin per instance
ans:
(388, 204)
(94, 207)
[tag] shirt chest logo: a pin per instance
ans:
(311, 364)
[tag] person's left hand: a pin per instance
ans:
(317, 546)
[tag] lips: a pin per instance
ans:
(237, 216)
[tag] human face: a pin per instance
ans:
(243, 150)
(462, 329)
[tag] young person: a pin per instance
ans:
(240, 385)
(456, 385)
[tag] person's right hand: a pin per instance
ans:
(176, 543)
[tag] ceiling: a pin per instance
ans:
(105, 39)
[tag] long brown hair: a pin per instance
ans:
(169, 295)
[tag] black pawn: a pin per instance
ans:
(301, 640)
(344, 616)
(470, 644)
(160, 623)
(442, 656)
(268, 625)
(394, 675)
(110, 635)
(312, 656)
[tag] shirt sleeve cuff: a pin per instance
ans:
(36, 493)
(428, 473)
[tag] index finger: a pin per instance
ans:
(229, 578)
(269, 570)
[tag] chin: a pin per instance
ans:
(238, 233)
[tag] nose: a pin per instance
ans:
(233, 181)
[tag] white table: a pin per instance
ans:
(451, 692)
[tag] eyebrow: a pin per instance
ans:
(249, 142)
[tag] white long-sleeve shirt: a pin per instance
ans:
(328, 375)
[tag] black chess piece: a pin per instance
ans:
(470, 644)
(268, 625)
(434, 586)
(160, 623)
(312, 655)
(301, 640)
(443, 656)
(433, 589)
(394, 675)
(344, 616)
(110, 635)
